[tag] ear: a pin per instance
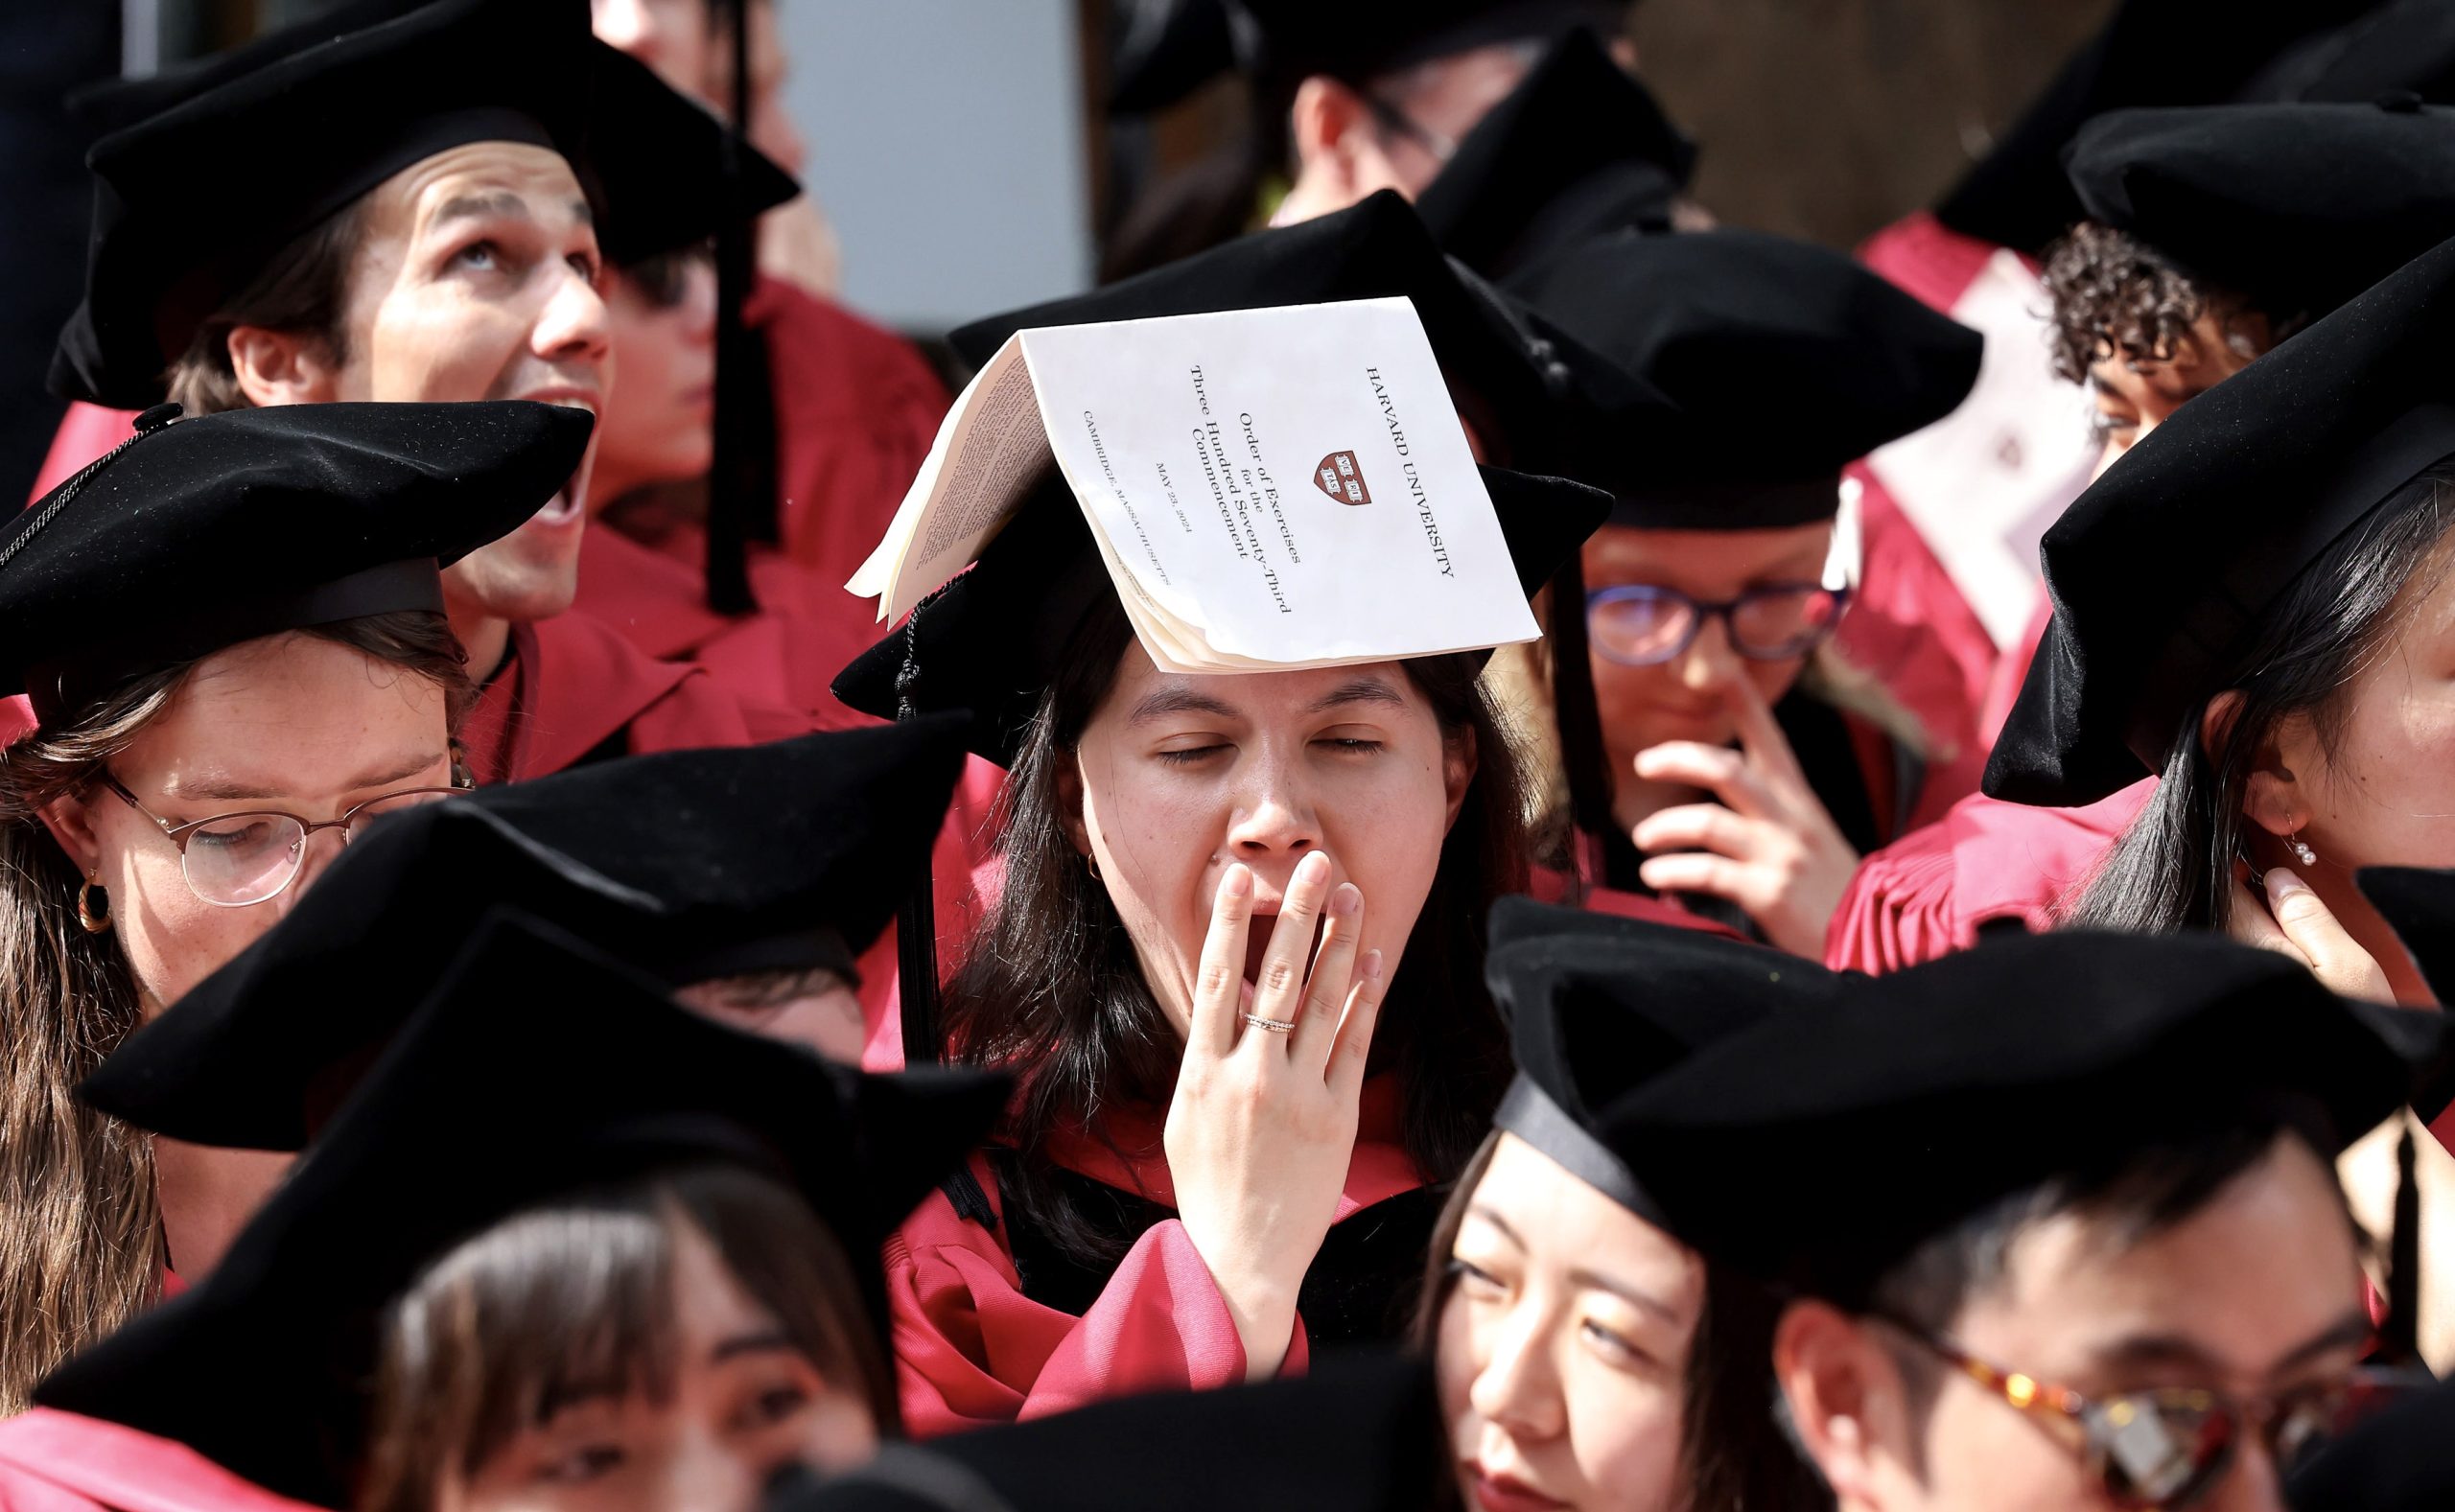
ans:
(2273, 798)
(282, 367)
(1069, 803)
(1461, 757)
(1323, 124)
(1843, 1393)
(70, 825)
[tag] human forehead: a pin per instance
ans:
(1708, 562)
(1564, 1223)
(2239, 1286)
(538, 179)
(1143, 695)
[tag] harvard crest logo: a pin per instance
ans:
(1340, 477)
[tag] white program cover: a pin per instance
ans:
(1271, 488)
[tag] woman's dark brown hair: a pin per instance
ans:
(81, 1247)
(578, 1293)
(1051, 983)
(1733, 1455)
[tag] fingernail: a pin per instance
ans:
(1345, 901)
(1237, 883)
(1372, 965)
(1313, 868)
(2283, 883)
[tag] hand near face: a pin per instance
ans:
(2285, 915)
(1263, 1123)
(1767, 846)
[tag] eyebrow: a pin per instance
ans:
(479, 206)
(231, 790)
(767, 1341)
(2349, 1332)
(1360, 690)
(1178, 700)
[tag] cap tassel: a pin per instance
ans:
(916, 922)
(2400, 1336)
(1573, 708)
(741, 479)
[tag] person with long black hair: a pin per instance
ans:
(1216, 1159)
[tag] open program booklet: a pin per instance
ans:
(1268, 488)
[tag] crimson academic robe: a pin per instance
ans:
(990, 1326)
(1930, 893)
(573, 690)
(779, 656)
(85, 432)
(1912, 630)
(61, 1462)
(857, 410)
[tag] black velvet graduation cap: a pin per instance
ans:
(216, 167)
(1599, 1005)
(684, 866)
(2162, 570)
(2296, 207)
(2385, 49)
(2151, 53)
(198, 534)
(1818, 1149)
(1579, 149)
(535, 1069)
(1357, 41)
(1530, 393)
(1786, 363)
(1361, 1432)
(995, 639)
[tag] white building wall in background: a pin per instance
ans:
(946, 141)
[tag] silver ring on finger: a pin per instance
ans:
(1275, 1026)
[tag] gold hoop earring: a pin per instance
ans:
(95, 924)
(1093, 862)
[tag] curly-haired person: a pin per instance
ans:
(2205, 246)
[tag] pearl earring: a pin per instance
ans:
(2300, 849)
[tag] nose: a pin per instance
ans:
(1518, 1387)
(323, 848)
(706, 1474)
(1709, 665)
(1274, 816)
(2254, 1483)
(572, 328)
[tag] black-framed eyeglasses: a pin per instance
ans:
(241, 859)
(1645, 624)
(2166, 1449)
(1398, 123)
